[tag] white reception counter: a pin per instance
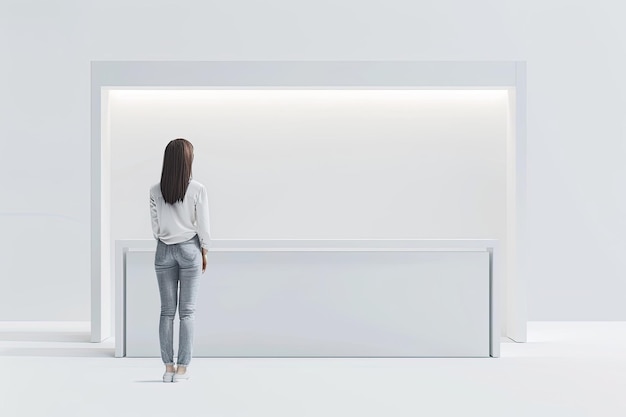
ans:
(323, 298)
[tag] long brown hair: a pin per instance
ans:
(176, 171)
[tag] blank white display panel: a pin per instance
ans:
(320, 163)
(324, 303)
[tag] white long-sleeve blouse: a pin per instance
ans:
(179, 222)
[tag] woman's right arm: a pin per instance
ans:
(202, 218)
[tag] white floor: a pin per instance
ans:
(566, 369)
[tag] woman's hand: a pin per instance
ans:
(204, 252)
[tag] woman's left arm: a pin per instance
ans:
(154, 217)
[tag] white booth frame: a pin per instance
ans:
(112, 75)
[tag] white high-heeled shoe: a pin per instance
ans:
(168, 376)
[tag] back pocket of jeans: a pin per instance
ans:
(189, 252)
(161, 250)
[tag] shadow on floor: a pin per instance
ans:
(90, 352)
(39, 336)
(151, 380)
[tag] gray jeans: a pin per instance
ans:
(180, 263)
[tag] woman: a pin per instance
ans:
(180, 222)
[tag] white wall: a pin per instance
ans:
(320, 164)
(576, 127)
